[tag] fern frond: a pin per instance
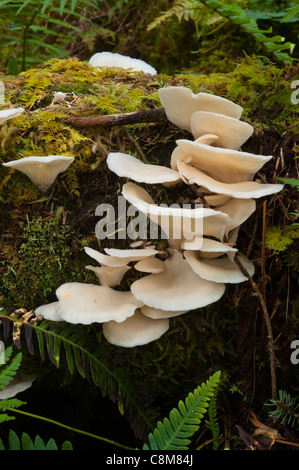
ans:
(212, 422)
(8, 373)
(86, 356)
(184, 421)
(26, 443)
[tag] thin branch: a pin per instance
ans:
(137, 117)
(268, 325)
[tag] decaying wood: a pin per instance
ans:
(137, 117)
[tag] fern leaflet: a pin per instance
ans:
(184, 421)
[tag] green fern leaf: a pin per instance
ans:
(8, 373)
(26, 443)
(89, 360)
(174, 433)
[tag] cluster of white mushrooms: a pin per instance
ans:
(192, 273)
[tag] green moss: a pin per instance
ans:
(45, 260)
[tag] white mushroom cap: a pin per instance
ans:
(180, 103)
(110, 59)
(238, 211)
(177, 288)
(6, 114)
(131, 254)
(41, 170)
(130, 167)
(222, 270)
(243, 190)
(226, 165)
(109, 276)
(14, 387)
(89, 303)
(157, 313)
(232, 133)
(150, 265)
(48, 311)
(206, 245)
(178, 223)
(135, 331)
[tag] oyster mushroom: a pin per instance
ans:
(180, 103)
(89, 303)
(109, 276)
(178, 287)
(231, 132)
(6, 114)
(136, 330)
(222, 270)
(176, 222)
(243, 190)
(110, 59)
(226, 165)
(41, 170)
(130, 167)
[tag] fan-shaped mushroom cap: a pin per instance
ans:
(110, 59)
(177, 288)
(226, 165)
(135, 331)
(48, 311)
(6, 114)
(180, 103)
(157, 313)
(130, 167)
(89, 303)
(207, 245)
(244, 190)
(109, 276)
(14, 387)
(178, 223)
(232, 133)
(131, 254)
(219, 269)
(150, 265)
(41, 170)
(238, 211)
(105, 260)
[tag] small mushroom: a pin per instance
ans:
(48, 311)
(105, 260)
(222, 270)
(150, 265)
(178, 287)
(226, 165)
(14, 387)
(6, 114)
(238, 211)
(180, 103)
(59, 97)
(243, 190)
(110, 59)
(232, 133)
(207, 246)
(130, 167)
(89, 303)
(41, 170)
(137, 330)
(109, 276)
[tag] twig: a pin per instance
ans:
(149, 115)
(268, 325)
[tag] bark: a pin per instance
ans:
(150, 115)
